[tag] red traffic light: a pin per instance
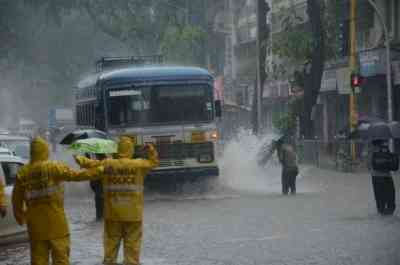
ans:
(356, 80)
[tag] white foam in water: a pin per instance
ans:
(239, 168)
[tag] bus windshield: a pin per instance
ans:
(160, 104)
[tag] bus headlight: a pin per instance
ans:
(213, 135)
(198, 137)
(205, 158)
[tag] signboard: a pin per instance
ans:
(372, 62)
(122, 93)
(58, 116)
(343, 80)
(64, 114)
(329, 81)
(219, 88)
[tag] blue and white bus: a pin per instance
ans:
(172, 107)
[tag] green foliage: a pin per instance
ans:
(8, 35)
(147, 26)
(284, 123)
(183, 44)
(332, 18)
(295, 44)
(151, 27)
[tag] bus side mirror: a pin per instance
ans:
(218, 108)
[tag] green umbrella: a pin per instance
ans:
(94, 145)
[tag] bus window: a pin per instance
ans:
(161, 104)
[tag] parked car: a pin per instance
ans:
(5, 151)
(10, 231)
(19, 145)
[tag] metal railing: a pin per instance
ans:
(333, 154)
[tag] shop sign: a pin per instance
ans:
(329, 81)
(343, 80)
(372, 62)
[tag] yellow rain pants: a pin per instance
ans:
(58, 248)
(128, 232)
(38, 201)
(123, 181)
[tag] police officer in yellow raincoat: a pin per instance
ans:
(38, 201)
(123, 181)
(3, 205)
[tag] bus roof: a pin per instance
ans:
(149, 73)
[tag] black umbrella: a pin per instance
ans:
(83, 134)
(377, 131)
(384, 131)
(363, 125)
(369, 119)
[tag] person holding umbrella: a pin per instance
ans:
(381, 160)
(100, 148)
(97, 188)
(382, 181)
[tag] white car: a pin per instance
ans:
(5, 151)
(10, 231)
(19, 145)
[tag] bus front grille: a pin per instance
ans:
(174, 153)
(171, 163)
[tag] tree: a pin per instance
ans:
(48, 45)
(46, 58)
(8, 33)
(306, 46)
(313, 78)
(263, 9)
(151, 27)
(183, 44)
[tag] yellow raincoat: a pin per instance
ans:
(123, 180)
(38, 201)
(2, 196)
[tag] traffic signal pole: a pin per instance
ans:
(353, 68)
(258, 54)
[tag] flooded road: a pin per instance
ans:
(246, 221)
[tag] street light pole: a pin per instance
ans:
(258, 54)
(388, 65)
(353, 66)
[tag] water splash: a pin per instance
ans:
(239, 168)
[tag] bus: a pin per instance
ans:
(172, 107)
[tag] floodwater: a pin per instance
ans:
(239, 173)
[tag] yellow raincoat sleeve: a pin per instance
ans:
(2, 195)
(18, 202)
(65, 173)
(148, 164)
(85, 162)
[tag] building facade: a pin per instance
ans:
(236, 22)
